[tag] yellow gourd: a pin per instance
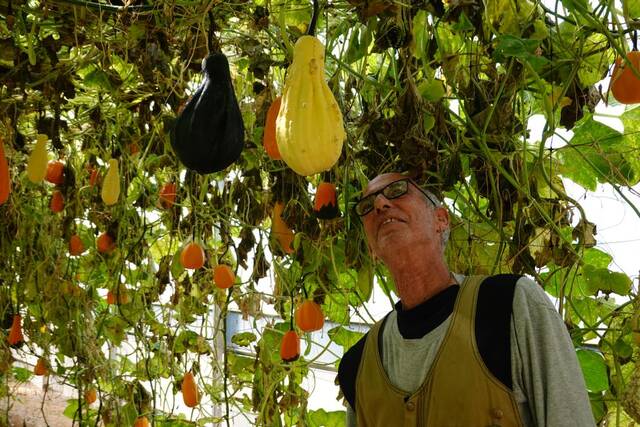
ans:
(111, 184)
(309, 129)
(37, 164)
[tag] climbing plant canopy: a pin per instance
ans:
(443, 90)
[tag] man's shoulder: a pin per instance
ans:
(348, 370)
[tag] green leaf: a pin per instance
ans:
(322, 418)
(596, 258)
(598, 153)
(71, 408)
(508, 46)
(432, 90)
(344, 337)
(631, 9)
(365, 283)
(604, 280)
(243, 339)
(21, 374)
(596, 59)
(98, 79)
(622, 348)
(594, 370)
(359, 42)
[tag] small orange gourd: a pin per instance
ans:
(269, 136)
(41, 367)
(5, 178)
(223, 276)
(309, 316)
(192, 256)
(55, 172)
(57, 202)
(325, 205)
(119, 297)
(290, 346)
(76, 247)
(105, 243)
(90, 395)
(167, 195)
(93, 177)
(281, 230)
(625, 84)
(15, 333)
(190, 394)
(141, 421)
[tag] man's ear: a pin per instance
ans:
(442, 218)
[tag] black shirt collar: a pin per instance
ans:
(425, 317)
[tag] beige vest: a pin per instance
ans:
(459, 390)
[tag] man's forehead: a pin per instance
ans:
(381, 180)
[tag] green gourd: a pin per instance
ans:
(111, 184)
(37, 164)
(209, 133)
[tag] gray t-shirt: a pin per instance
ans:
(547, 380)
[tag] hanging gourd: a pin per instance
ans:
(290, 346)
(117, 296)
(5, 178)
(309, 129)
(57, 202)
(141, 421)
(325, 205)
(625, 83)
(167, 195)
(309, 316)
(223, 276)
(192, 256)
(93, 176)
(105, 243)
(269, 136)
(280, 230)
(209, 133)
(37, 164)
(111, 184)
(76, 247)
(190, 394)
(15, 333)
(90, 395)
(55, 172)
(41, 367)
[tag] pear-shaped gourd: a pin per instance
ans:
(37, 164)
(209, 133)
(111, 184)
(309, 129)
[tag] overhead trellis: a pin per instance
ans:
(442, 90)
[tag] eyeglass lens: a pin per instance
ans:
(391, 191)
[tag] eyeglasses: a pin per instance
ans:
(391, 191)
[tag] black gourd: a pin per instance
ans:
(209, 133)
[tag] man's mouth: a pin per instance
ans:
(389, 221)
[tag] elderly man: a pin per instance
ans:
(456, 351)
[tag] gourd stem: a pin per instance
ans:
(213, 42)
(291, 314)
(314, 17)
(634, 39)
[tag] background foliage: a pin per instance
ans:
(444, 90)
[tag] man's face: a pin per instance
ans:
(403, 222)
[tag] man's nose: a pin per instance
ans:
(381, 202)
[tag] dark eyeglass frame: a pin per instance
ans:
(390, 196)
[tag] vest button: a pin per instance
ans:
(411, 406)
(497, 413)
